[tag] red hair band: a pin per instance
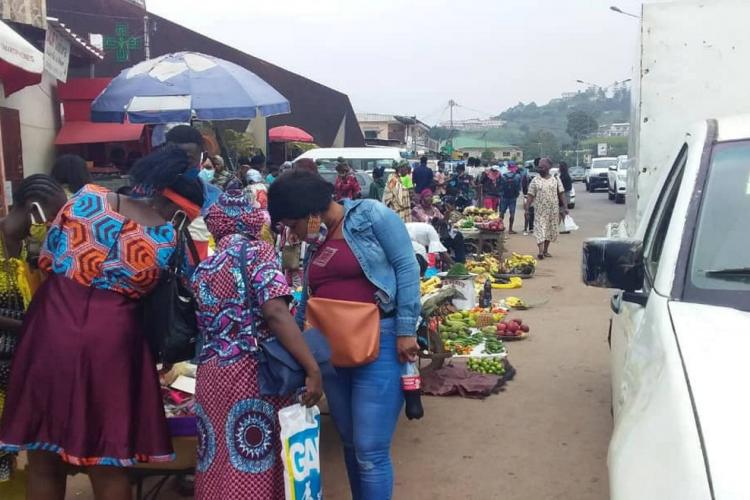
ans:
(192, 210)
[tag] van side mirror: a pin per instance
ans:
(613, 263)
(613, 168)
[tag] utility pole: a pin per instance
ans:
(146, 33)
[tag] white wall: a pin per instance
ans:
(39, 115)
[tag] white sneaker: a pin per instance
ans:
(525, 233)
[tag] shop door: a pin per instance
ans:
(11, 173)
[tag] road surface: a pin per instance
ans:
(546, 435)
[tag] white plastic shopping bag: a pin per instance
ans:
(567, 225)
(570, 224)
(300, 437)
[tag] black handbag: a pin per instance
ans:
(279, 374)
(169, 311)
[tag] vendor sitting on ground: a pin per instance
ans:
(425, 240)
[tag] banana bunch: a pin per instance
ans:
(520, 264)
(488, 264)
(430, 285)
(516, 303)
(513, 282)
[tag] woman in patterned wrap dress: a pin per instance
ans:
(239, 446)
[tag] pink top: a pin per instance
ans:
(335, 273)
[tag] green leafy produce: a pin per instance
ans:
(458, 270)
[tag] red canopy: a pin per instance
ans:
(80, 132)
(285, 133)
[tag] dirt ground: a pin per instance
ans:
(546, 435)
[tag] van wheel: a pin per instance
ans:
(588, 187)
(620, 199)
(610, 194)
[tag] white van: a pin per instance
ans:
(357, 158)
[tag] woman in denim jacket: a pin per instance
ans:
(361, 252)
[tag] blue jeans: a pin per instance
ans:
(365, 403)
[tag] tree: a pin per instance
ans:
(580, 124)
(487, 156)
(540, 143)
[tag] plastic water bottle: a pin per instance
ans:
(411, 384)
(485, 300)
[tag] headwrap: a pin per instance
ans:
(234, 214)
(254, 175)
(425, 194)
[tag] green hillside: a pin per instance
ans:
(543, 130)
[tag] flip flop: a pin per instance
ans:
(547, 255)
(540, 256)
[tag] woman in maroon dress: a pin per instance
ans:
(83, 387)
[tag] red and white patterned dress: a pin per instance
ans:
(239, 446)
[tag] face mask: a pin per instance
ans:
(38, 229)
(316, 231)
(206, 175)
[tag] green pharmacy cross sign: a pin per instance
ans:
(122, 43)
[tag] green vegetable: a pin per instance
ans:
(458, 270)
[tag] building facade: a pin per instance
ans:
(126, 32)
(405, 132)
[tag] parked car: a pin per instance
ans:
(364, 178)
(618, 179)
(357, 158)
(680, 329)
(578, 173)
(597, 174)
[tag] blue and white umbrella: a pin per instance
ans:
(186, 86)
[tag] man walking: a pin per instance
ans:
(511, 189)
(422, 176)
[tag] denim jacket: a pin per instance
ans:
(379, 241)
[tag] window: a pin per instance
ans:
(371, 134)
(719, 266)
(506, 154)
(662, 216)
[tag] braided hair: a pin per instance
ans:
(71, 170)
(37, 187)
(168, 167)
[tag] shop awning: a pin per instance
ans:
(21, 64)
(81, 132)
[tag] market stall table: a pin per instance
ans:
(481, 240)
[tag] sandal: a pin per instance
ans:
(540, 256)
(547, 255)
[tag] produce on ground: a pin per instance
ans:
(492, 366)
(519, 264)
(463, 331)
(512, 328)
(486, 263)
(516, 303)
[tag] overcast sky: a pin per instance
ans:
(411, 56)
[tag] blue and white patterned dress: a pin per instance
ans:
(239, 446)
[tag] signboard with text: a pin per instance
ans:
(56, 55)
(33, 12)
(601, 149)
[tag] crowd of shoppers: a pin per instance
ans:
(78, 260)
